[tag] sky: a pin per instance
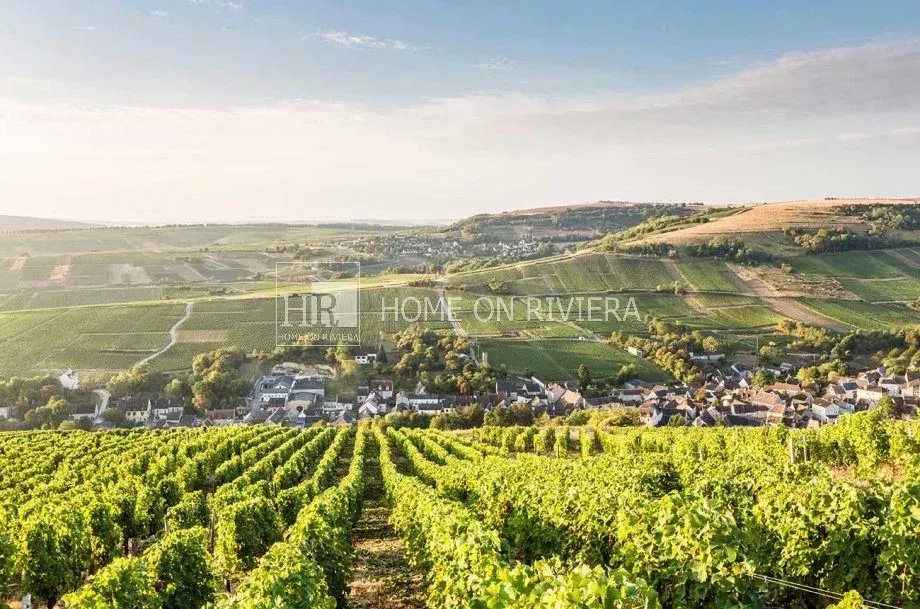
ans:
(161, 111)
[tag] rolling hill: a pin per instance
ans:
(760, 224)
(26, 223)
(84, 284)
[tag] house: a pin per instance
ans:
(835, 391)
(779, 415)
(870, 395)
(707, 358)
(82, 411)
(279, 416)
(662, 415)
(275, 387)
(165, 408)
(187, 420)
(635, 351)
(570, 400)
(507, 389)
(825, 410)
(219, 417)
(742, 370)
(170, 420)
(69, 380)
(344, 419)
(257, 417)
(373, 406)
(424, 403)
(335, 406)
(309, 384)
(708, 418)
(601, 402)
(735, 420)
(629, 396)
(382, 387)
(768, 400)
(554, 392)
(891, 386)
(274, 404)
(366, 358)
(136, 410)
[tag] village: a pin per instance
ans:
(733, 396)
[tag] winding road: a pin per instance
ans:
(173, 335)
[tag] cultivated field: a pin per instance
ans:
(66, 298)
(108, 338)
(514, 517)
(771, 219)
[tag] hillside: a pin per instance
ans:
(760, 224)
(26, 223)
(102, 299)
(571, 222)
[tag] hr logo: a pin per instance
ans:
(317, 304)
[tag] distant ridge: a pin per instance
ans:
(770, 218)
(10, 224)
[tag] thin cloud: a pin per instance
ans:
(85, 28)
(346, 39)
(805, 88)
(159, 14)
(497, 64)
(841, 116)
(227, 5)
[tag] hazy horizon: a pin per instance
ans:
(210, 110)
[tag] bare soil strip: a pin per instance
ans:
(785, 306)
(901, 257)
(675, 274)
(173, 335)
(382, 577)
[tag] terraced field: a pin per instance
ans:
(863, 265)
(172, 238)
(884, 290)
(708, 275)
(559, 359)
(90, 338)
(865, 315)
(65, 301)
(578, 274)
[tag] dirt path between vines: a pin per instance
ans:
(383, 578)
(787, 307)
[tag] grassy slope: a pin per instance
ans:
(64, 332)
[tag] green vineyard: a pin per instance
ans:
(518, 517)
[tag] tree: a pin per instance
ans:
(577, 418)
(138, 379)
(809, 376)
(51, 415)
(113, 416)
(677, 421)
(762, 378)
(711, 344)
(178, 389)
(888, 407)
(584, 375)
(770, 354)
